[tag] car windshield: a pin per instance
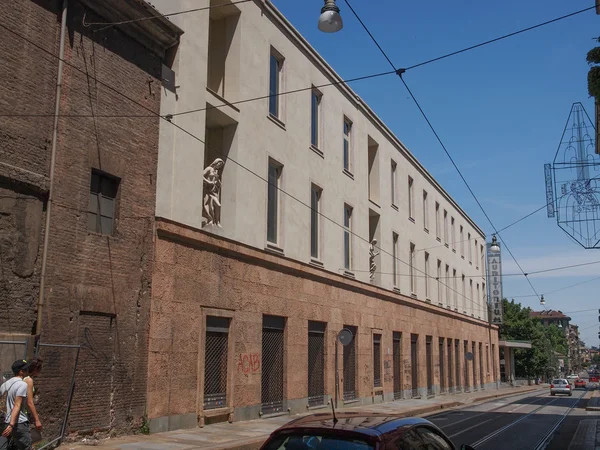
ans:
(559, 382)
(316, 441)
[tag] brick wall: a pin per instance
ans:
(198, 274)
(98, 287)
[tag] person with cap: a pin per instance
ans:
(16, 427)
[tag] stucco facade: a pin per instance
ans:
(228, 100)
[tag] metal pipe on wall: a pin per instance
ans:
(61, 54)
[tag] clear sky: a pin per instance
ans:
(500, 110)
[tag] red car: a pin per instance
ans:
(359, 431)
(580, 383)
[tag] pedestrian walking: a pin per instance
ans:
(35, 367)
(16, 426)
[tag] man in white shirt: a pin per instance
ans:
(16, 427)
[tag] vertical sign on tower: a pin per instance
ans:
(494, 266)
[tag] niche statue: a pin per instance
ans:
(212, 192)
(372, 254)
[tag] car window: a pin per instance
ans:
(315, 441)
(558, 382)
(433, 440)
(410, 440)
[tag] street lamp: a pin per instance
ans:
(494, 247)
(542, 301)
(330, 20)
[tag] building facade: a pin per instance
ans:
(311, 217)
(572, 361)
(98, 253)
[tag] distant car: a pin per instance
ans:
(359, 431)
(580, 383)
(560, 386)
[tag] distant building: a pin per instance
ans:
(574, 357)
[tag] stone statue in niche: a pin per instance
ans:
(372, 254)
(212, 192)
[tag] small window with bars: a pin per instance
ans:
(215, 362)
(377, 360)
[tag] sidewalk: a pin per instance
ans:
(251, 434)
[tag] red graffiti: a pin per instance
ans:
(248, 362)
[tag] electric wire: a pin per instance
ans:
(400, 72)
(228, 158)
(559, 289)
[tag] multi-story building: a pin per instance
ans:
(571, 331)
(78, 154)
(263, 260)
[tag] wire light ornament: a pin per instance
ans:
(574, 181)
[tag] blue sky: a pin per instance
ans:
(500, 110)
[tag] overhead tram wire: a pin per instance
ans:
(559, 289)
(350, 80)
(400, 72)
(193, 136)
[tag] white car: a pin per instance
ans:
(561, 386)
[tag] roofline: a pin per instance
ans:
(274, 14)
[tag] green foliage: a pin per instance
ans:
(145, 427)
(593, 57)
(546, 341)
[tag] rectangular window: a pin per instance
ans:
(273, 201)
(476, 253)
(470, 248)
(439, 282)
(394, 182)
(347, 237)
(446, 228)
(377, 360)
(410, 199)
(395, 257)
(411, 267)
(215, 362)
(102, 203)
(347, 144)
(276, 64)
(425, 211)
(315, 117)
(455, 287)
(464, 294)
(453, 235)
(426, 275)
(316, 363)
(315, 219)
(462, 242)
(482, 256)
(437, 221)
(470, 291)
(447, 282)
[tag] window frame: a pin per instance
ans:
(348, 253)
(411, 203)
(425, 210)
(438, 227)
(427, 276)
(278, 167)
(411, 264)
(275, 106)
(395, 238)
(100, 197)
(347, 147)
(315, 221)
(316, 129)
(446, 228)
(394, 170)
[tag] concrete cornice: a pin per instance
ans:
(176, 232)
(279, 19)
(157, 34)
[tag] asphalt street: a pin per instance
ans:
(525, 422)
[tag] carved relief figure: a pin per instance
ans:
(372, 254)
(212, 192)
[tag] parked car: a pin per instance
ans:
(359, 431)
(560, 386)
(580, 383)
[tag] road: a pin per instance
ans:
(525, 422)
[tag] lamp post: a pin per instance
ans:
(330, 20)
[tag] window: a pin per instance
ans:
(315, 218)
(482, 256)
(455, 287)
(470, 248)
(462, 242)
(425, 211)
(439, 282)
(446, 228)
(395, 257)
(273, 201)
(411, 267)
(447, 282)
(476, 253)
(426, 275)
(347, 237)
(464, 294)
(377, 360)
(315, 117)
(394, 182)
(437, 221)
(347, 144)
(276, 64)
(410, 199)
(433, 439)
(102, 208)
(215, 362)
(471, 291)
(453, 236)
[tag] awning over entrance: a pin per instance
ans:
(509, 357)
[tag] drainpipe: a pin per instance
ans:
(61, 54)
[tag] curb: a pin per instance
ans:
(594, 401)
